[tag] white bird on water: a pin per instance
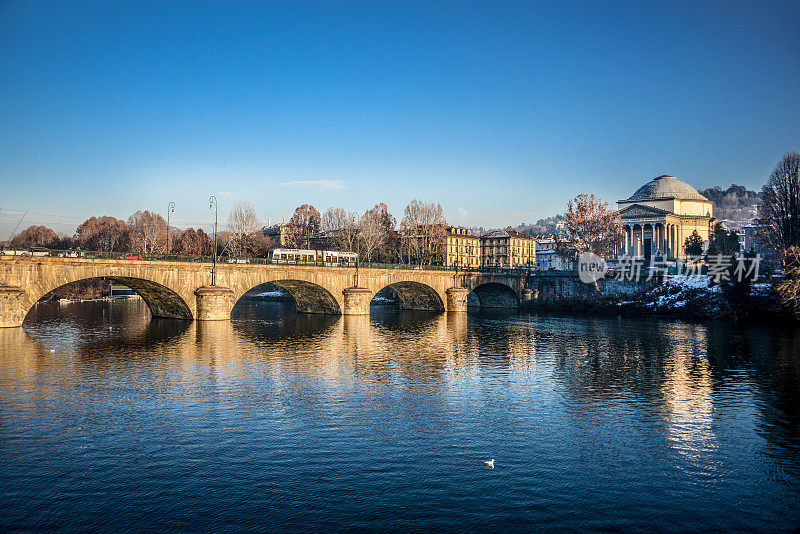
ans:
(490, 463)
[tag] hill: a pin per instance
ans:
(734, 207)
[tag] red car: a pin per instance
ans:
(131, 257)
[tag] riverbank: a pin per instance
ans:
(690, 297)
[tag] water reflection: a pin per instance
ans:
(618, 420)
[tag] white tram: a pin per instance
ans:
(330, 258)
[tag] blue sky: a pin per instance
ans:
(501, 111)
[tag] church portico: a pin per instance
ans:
(650, 236)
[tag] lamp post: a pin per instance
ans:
(358, 246)
(170, 209)
(212, 204)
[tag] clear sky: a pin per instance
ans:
(500, 111)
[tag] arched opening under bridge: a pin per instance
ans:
(493, 295)
(409, 296)
(161, 301)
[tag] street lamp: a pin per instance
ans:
(170, 209)
(212, 204)
(358, 246)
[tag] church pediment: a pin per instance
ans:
(638, 210)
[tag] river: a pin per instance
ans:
(285, 422)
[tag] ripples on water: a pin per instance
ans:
(279, 421)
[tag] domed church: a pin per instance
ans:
(660, 215)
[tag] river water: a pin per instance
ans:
(284, 422)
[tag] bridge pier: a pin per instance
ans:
(214, 303)
(356, 301)
(528, 295)
(457, 299)
(12, 312)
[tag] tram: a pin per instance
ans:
(329, 258)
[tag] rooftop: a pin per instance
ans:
(666, 186)
(506, 233)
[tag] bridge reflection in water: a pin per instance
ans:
(399, 408)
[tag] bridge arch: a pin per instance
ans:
(162, 301)
(308, 296)
(416, 296)
(495, 295)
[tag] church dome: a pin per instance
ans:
(666, 186)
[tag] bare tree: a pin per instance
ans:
(103, 233)
(788, 289)
(64, 241)
(243, 224)
(261, 244)
(148, 232)
(779, 209)
(590, 226)
(375, 231)
(340, 226)
(424, 231)
(35, 236)
(303, 225)
(195, 243)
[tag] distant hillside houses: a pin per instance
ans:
(735, 207)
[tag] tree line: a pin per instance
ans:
(144, 232)
(420, 237)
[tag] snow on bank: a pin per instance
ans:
(696, 293)
(694, 282)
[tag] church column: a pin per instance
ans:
(668, 239)
(628, 238)
(671, 238)
(641, 243)
(632, 244)
(674, 238)
(657, 237)
(675, 247)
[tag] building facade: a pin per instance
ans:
(276, 231)
(507, 249)
(547, 259)
(659, 217)
(462, 249)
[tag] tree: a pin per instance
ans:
(779, 209)
(424, 230)
(375, 232)
(340, 227)
(35, 236)
(788, 289)
(722, 242)
(590, 226)
(148, 232)
(243, 224)
(303, 225)
(693, 245)
(103, 233)
(194, 243)
(64, 241)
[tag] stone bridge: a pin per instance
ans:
(184, 291)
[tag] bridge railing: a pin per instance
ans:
(194, 258)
